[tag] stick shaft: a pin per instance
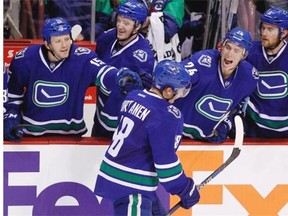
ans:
(235, 153)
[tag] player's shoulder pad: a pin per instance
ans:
(81, 51)
(28, 51)
(174, 111)
(141, 55)
(248, 68)
(204, 58)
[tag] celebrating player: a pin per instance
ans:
(122, 46)
(221, 80)
(143, 150)
(48, 83)
(267, 113)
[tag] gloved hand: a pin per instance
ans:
(190, 195)
(221, 132)
(128, 80)
(11, 120)
(146, 78)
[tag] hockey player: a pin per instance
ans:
(122, 46)
(221, 80)
(5, 88)
(142, 153)
(48, 83)
(267, 113)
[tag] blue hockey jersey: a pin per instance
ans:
(137, 56)
(211, 96)
(5, 89)
(51, 96)
(143, 150)
(267, 113)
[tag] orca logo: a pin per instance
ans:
(273, 85)
(205, 61)
(50, 94)
(21, 53)
(82, 51)
(175, 111)
(141, 55)
(213, 107)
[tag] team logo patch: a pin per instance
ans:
(175, 111)
(141, 55)
(255, 73)
(82, 51)
(50, 94)
(273, 85)
(205, 60)
(21, 53)
(213, 107)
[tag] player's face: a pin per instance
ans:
(270, 36)
(60, 46)
(125, 28)
(231, 55)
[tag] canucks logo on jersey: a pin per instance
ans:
(48, 94)
(175, 111)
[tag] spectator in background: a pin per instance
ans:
(192, 31)
(79, 12)
(267, 113)
(246, 18)
(48, 82)
(162, 26)
(221, 80)
(122, 46)
(173, 13)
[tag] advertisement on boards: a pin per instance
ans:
(59, 180)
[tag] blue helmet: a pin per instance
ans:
(240, 37)
(55, 27)
(276, 16)
(134, 10)
(172, 74)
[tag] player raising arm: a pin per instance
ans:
(142, 153)
(267, 113)
(48, 83)
(122, 46)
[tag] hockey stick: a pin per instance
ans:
(75, 31)
(236, 151)
(230, 113)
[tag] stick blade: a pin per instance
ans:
(239, 131)
(75, 31)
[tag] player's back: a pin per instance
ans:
(143, 117)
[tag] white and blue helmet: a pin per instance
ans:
(55, 27)
(240, 37)
(169, 73)
(276, 16)
(134, 10)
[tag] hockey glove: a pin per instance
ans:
(220, 133)
(11, 121)
(128, 80)
(190, 195)
(146, 79)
